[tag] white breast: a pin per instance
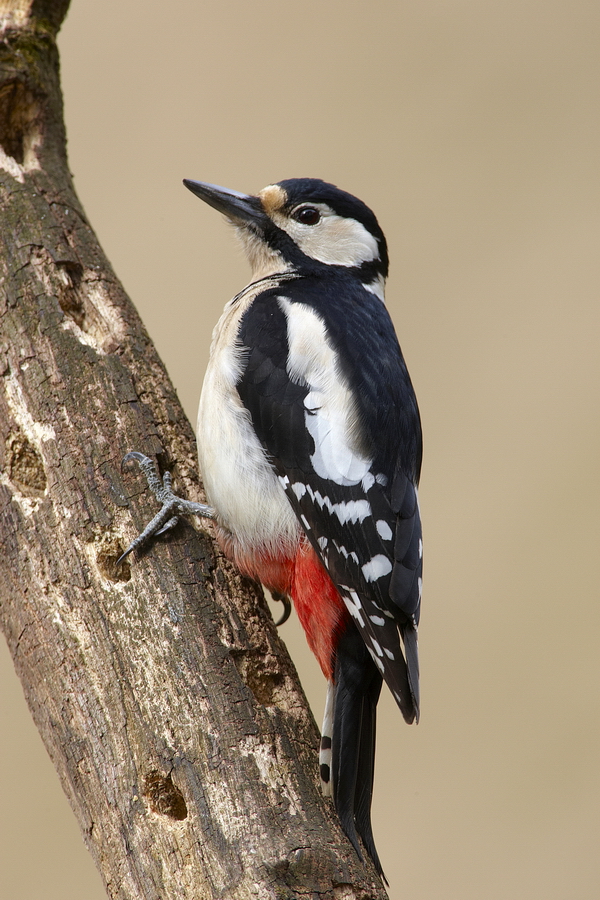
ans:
(238, 479)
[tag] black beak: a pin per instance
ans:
(238, 207)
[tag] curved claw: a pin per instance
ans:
(124, 555)
(167, 526)
(287, 607)
(133, 454)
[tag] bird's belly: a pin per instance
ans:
(240, 482)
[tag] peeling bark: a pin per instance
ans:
(162, 692)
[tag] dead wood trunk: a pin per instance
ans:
(161, 690)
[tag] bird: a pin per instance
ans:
(310, 446)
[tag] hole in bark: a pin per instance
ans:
(163, 796)
(61, 279)
(108, 550)
(17, 120)
(24, 464)
(262, 683)
(68, 297)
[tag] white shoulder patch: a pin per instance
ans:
(331, 416)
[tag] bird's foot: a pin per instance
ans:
(172, 506)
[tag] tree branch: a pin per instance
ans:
(162, 692)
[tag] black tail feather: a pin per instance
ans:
(411, 650)
(357, 687)
(366, 772)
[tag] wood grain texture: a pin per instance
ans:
(163, 694)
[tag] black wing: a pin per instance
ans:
(365, 529)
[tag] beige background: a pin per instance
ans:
(473, 130)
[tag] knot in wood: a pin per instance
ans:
(24, 463)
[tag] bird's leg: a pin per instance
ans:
(172, 506)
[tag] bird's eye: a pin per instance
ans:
(307, 215)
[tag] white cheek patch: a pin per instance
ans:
(335, 240)
(331, 416)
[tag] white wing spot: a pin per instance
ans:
(341, 549)
(317, 497)
(376, 659)
(352, 511)
(381, 479)
(385, 612)
(299, 489)
(420, 548)
(322, 542)
(368, 482)
(376, 646)
(353, 604)
(388, 653)
(377, 620)
(305, 522)
(376, 568)
(345, 510)
(384, 530)
(420, 583)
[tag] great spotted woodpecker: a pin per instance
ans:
(309, 444)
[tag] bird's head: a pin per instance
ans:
(303, 225)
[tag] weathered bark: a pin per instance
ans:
(162, 692)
